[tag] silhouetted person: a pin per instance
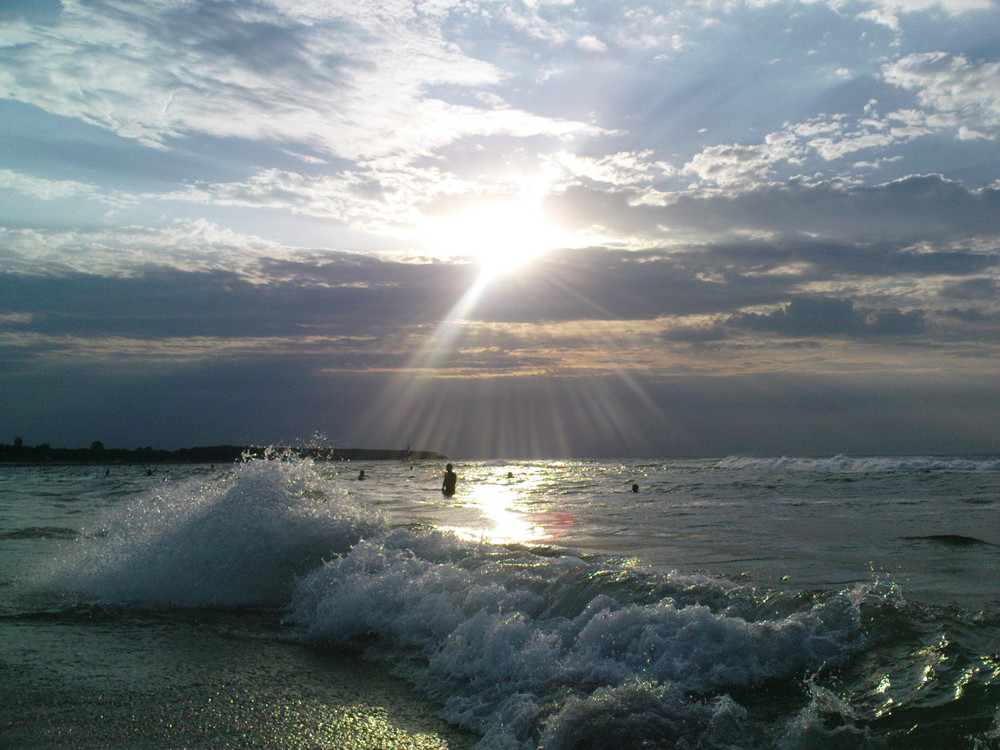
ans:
(450, 480)
(635, 488)
(362, 475)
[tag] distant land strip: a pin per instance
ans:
(210, 454)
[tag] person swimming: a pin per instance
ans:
(450, 480)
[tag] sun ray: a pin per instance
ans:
(500, 237)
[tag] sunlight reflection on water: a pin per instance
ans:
(507, 513)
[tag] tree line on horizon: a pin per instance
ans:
(18, 452)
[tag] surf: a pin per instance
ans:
(861, 464)
(240, 540)
(527, 646)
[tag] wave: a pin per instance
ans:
(529, 648)
(539, 652)
(954, 540)
(842, 463)
(40, 532)
(239, 541)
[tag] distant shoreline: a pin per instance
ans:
(213, 454)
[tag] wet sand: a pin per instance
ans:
(168, 682)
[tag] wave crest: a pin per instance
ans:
(238, 541)
(843, 463)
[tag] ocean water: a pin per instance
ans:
(730, 603)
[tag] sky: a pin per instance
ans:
(502, 228)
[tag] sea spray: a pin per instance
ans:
(238, 540)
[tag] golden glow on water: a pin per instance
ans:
(883, 687)
(503, 522)
(964, 679)
(992, 664)
(504, 514)
(936, 656)
(884, 684)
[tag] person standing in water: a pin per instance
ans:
(450, 480)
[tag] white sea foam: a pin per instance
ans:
(827, 721)
(531, 651)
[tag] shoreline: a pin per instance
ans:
(168, 679)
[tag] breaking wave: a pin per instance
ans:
(862, 464)
(529, 647)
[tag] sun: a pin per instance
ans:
(500, 236)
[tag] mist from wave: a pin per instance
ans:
(239, 540)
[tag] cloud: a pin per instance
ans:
(213, 200)
(740, 165)
(825, 317)
(951, 83)
(126, 250)
(972, 289)
(912, 209)
(828, 137)
(952, 7)
(621, 168)
(695, 334)
(334, 295)
(591, 44)
(46, 189)
(198, 279)
(881, 16)
(971, 316)
(360, 79)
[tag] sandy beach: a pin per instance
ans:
(135, 682)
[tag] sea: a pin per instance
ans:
(734, 602)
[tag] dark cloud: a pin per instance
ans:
(238, 35)
(819, 316)
(695, 334)
(971, 315)
(829, 259)
(971, 289)
(915, 208)
(345, 294)
(617, 285)
(331, 298)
